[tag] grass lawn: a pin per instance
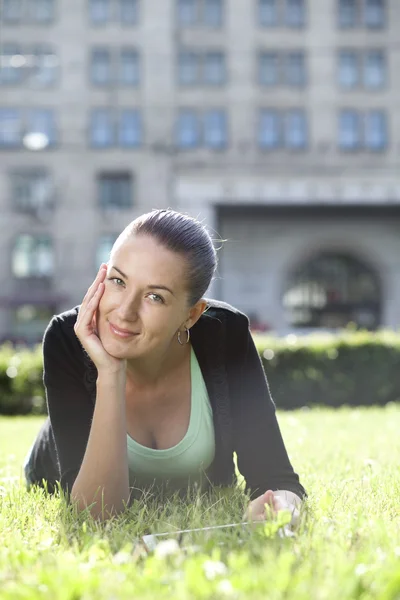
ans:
(348, 545)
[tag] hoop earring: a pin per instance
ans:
(187, 337)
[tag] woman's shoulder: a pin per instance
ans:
(218, 308)
(61, 325)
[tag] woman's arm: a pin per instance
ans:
(90, 441)
(261, 454)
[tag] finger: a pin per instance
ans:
(86, 318)
(92, 291)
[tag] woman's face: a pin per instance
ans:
(145, 294)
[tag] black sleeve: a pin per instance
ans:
(261, 453)
(68, 401)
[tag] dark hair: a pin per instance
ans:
(184, 235)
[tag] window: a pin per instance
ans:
(214, 68)
(101, 128)
(44, 68)
(100, 67)
(129, 67)
(129, 12)
(12, 65)
(295, 71)
(374, 13)
(41, 11)
(374, 69)
(187, 12)
(347, 13)
(115, 190)
(100, 11)
(188, 131)
(42, 120)
(268, 68)
(12, 11)
(215, 129)
(32, 190)
(295, 130)
(130, 129)
(375, 130)
(269, 129)
(295, 13)
(332, 290)
(349, 130)
(348, 69)
(213, 13)
(268, 13)
(104, 247)
(32, 256)
(10, 127)
(188, 67)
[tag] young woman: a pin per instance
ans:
(149, 384)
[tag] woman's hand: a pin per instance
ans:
(85, 328)
(268, 505)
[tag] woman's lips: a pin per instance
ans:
(121, 333)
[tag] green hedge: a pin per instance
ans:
(354, 368)
(21, 385)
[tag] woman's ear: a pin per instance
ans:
(195, 313)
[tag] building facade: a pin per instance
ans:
(277, 122)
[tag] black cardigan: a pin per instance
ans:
(243, 410)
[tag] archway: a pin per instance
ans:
(332, 290)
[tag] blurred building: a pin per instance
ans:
(275, 121)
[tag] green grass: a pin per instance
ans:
(348, 545)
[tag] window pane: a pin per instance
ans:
(10, 127)
(104, 247)
(115, 190)
(41, 11)
(99, 11)
(32, 190)
(33, 256)
(296, 129)
(129, 12)
(187, 12)
(187, 129)
(100, 68)
(129, 67)
(268, 68)
(213, 13)
(349, 130)
(101, 127)
(376, 130)
(215, 128)
(214, 68)
(130, 129)
(348, 69)
(375, 13)
(268, 13)
(188, 67)
(347, 13)
(295, 13)
(295, 69)
(268, 133)
(42, 120)
(374, 69)
(45, 65)
(12, 10)
(12, 67)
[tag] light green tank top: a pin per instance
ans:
(185, 463)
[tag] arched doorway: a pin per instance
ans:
(332, 290)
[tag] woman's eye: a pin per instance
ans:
(156, 298)
(116, 280)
